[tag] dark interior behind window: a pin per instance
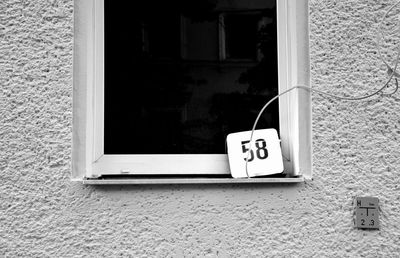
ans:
(160, 101)
(241, 35)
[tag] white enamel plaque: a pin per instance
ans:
(264, 158)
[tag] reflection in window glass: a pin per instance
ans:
(167, 91)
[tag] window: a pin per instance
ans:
(158, 85)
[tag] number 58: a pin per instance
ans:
(261, 152)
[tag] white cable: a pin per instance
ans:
(392, 73)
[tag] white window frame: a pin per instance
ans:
(88, 159)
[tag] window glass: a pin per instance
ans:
(241, 35)
(167, 91)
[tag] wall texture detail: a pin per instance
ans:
(356, 153)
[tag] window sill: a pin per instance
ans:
(189, 180)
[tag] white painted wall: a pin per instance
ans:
(356, 153)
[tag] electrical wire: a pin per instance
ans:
(392, 74)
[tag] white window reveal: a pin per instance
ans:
(158, 85)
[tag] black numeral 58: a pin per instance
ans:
(261, 152)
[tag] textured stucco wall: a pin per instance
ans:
(356, 153)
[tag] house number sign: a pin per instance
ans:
(264, 157)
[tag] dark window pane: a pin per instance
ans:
(241, 36)
(163, 38)
(166, 92)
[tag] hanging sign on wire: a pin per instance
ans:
(264, 157)
(258, 152)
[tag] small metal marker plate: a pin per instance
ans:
(367, 212)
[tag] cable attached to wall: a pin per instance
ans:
(391, 72)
